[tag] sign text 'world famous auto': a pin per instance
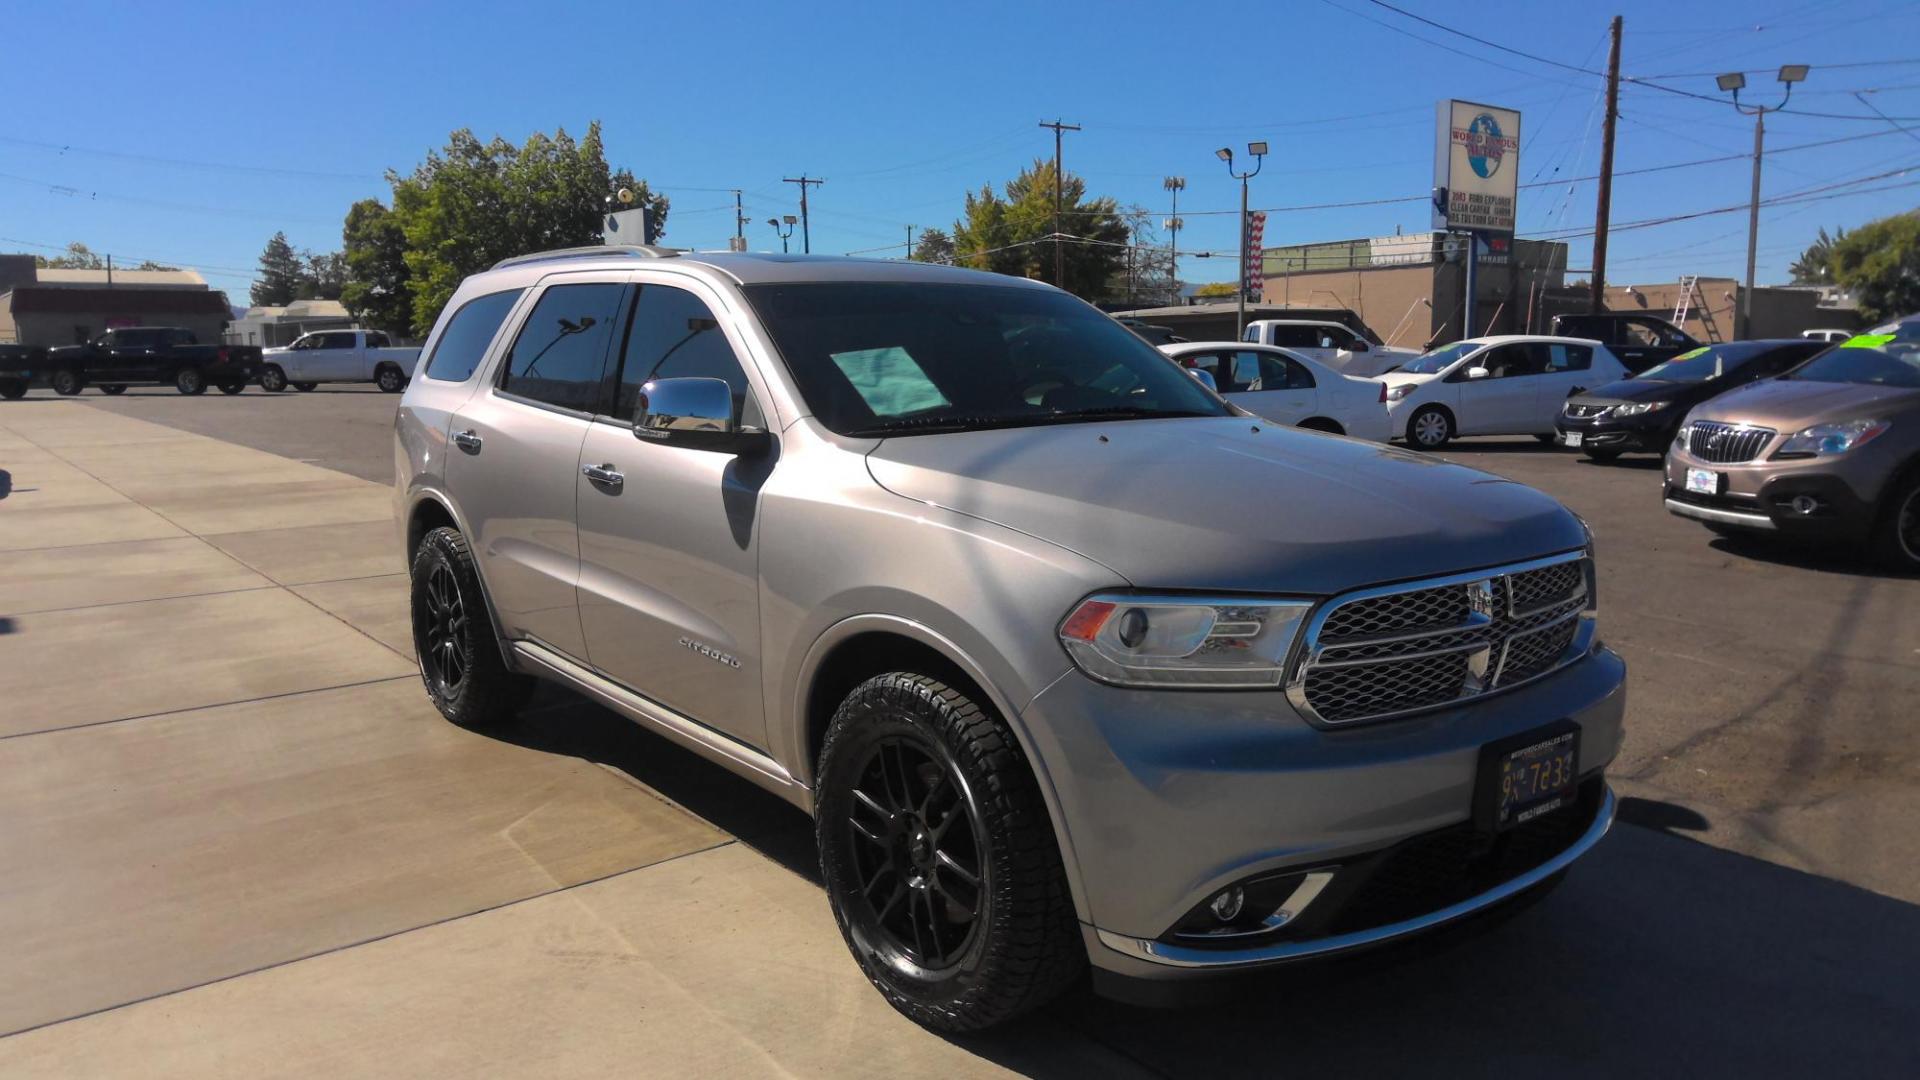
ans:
(1477, 165)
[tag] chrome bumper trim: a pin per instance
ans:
(1159, 952)
(1724, 517)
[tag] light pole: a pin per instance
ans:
(1174, 185)
(1258, 151)
(790, 222)
(1733, 83)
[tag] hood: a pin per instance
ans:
(1788, 405)
(1645, 390)
(1215, 504)
(1403, 378)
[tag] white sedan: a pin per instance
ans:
(1507, 385)
(1288, 388)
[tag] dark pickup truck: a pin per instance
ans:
(19, 365)
(154, 356)
(1640, 341)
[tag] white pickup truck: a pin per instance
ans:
(338, 356)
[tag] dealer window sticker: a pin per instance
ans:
(890, 380)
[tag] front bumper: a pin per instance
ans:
(1168, 797)
(1649, 433)
(1798, 498)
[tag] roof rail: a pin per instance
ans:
(594, 251)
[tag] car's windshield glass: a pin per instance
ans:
(1438, 360)
(1711, 362)
(909, 359)
(1890, 357)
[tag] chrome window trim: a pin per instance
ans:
(1481, 683)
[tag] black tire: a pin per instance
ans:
(1430, 428)
(66, 382)
(944, 793)
(114, 390)
(273, 379)
(305, 387)
(460, 661)
(189, 381)
(232, 387)
(1896, 535)
(1545, 440)
(1319, 423)
(12, 389)
(389, 379)
(1601, 456)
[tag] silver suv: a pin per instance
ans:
(1071, 661)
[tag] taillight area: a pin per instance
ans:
(221, 355)
(1383, 393)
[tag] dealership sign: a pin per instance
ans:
(1476, 167)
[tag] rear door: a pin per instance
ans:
(1270, 384)
(1566, 370)
(517, 453)
(669, 576)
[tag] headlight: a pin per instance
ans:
(1397, 393)
(1831, 438)
(1181, 641)
(1639, 408)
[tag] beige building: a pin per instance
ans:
(1710, 312)
(270, 327)
(64, 307)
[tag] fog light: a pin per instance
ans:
(1805, 504)
(1226, 907)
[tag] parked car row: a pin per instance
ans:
(173, 356)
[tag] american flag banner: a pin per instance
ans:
(1256, 228)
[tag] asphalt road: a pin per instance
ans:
(1772, 687)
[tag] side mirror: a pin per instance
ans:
(693, 412)
(1204, 378)
(1476, 373)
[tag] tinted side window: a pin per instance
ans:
(1296, 337)
(464, 341)
(673, 335)
(1565, 357)
(1511, 362)
(376, 340)
(336, 341)
(1298, 377)
(560, 355)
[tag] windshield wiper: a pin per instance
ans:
(1109, 412)
(928, 425)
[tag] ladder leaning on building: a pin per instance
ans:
(1689, 294)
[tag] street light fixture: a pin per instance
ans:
(1225, 153)
(1174, 186)
(1733, 82)
(785, 233)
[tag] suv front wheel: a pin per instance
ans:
(939, 858)
(453, 636)
(1897, 534)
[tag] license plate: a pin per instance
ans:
(1526, 776)
(1572, 438)
(1703, 481)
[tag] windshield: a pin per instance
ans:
(1440, 359)
(1702, 364)
(912, 359)
(1886, 356)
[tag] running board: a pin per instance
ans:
(695, 736)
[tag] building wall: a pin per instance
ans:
(1777, 313)
(1390, 299)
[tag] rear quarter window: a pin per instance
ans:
(463, 343)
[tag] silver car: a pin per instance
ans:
(1071, 661)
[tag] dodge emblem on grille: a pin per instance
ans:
(1480, 598)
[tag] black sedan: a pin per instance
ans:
(1641, 414)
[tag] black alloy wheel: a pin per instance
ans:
(441, 626)
(389, 379)
(1898, 532)
(460, 662)
(939, 857)
(66, 382)
(189, 381)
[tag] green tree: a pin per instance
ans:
(1815, 265)
(934, 245)
(1879, 263)
(1217, 288)
(281, 273)
(472, 204)
(377, 290)
(78, 257)
(322, 276)
(1011, 233)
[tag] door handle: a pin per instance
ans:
(603, 474)
(467, 440)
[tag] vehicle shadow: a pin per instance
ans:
(1643, 462)
(1658, 955)
(6, 483)
(1802, 555)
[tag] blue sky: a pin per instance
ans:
(189, 132)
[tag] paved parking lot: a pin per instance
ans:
(239, 841)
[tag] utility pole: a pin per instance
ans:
(909, 241)
(1604, 207)
(739, 223)
(806, 235)
(1174, 185)
(1059, 249)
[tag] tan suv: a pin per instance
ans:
(1829, 450)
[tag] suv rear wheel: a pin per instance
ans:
(1896, 539)
(389, 379)
(938, 856)
(460, 660)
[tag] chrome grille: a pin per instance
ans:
(1726, 443)
(1391, 651)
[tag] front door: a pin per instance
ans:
(669, 580)
(335, 359)
(1504, 401)
(516, 452)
